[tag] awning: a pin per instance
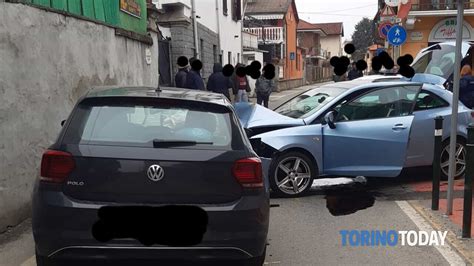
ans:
(270, 16)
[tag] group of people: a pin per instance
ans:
(223, 80)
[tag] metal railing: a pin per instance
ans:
(268, 34)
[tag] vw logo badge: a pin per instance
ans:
(155, 172)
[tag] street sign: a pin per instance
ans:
(387, 11)
(397, 35)
(383, 29)
(392, 3)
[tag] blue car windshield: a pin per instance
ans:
(308, 103)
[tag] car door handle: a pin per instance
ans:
(399, 127)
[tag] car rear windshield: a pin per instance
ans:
(438, 60)
(143, 122)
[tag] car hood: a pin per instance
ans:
(254, 115)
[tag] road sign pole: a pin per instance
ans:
(467, 208)
(438, 136)
(455, 105)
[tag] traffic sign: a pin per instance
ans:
(387, 11)
(392, 3)
(397, 35)
(383, 30)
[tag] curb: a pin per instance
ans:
(453, 240)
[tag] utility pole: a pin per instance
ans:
(197, 52)
(455, 106)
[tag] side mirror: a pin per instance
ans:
(329, 119)
(63, 122)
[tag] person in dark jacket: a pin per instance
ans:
(218, 82)
(265, 85)
(193, 79)
(180, 77)
(466, 87)
(354, 72)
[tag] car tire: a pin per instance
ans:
(460, 159)
(283, 171)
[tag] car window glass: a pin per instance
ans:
(427, 100)
(438, 61)
(309, 102)
(139, 125)
(380, 103)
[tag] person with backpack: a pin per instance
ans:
(240, 83)
(265, 85)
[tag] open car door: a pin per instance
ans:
(370, 133)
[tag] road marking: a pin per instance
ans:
(446, 251)
(30, 262)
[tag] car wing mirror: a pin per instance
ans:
(63, 122)
(329, 119)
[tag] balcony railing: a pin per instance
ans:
(250, 40)
(439, 5)
(267, 34)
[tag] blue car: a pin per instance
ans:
(353, 128)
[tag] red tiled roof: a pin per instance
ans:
(331, 28)
(268, 6)
(305, 25)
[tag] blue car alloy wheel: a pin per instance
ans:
(292, 174)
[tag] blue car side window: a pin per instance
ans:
(379, 103)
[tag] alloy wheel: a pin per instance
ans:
(292, 175)
(460, 160)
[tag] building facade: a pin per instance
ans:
(275, 23)
(218, 37)
(332, 42)
(431, 22)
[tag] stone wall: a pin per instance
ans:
(47, 61)
(182, 44)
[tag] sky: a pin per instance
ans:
(350, 12)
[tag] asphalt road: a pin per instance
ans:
(306, 231)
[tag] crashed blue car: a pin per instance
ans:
(353, 128)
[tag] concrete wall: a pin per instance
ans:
(47, 61)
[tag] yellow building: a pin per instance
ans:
(430, 22)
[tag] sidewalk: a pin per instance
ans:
(451, 223)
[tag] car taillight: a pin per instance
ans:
(249, 172)
(56, 166)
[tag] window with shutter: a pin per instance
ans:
(236, 10)
(224, 7)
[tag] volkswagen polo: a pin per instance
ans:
(151, 174)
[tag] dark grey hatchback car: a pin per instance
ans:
(142, 174)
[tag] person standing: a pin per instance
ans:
(183, 69)
(193, 79)
(466, 87)
(240, 84)
(354, 72)
(218, 82)
(265, 85)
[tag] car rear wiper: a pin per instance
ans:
(160, 143)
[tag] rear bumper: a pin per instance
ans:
(62, 229)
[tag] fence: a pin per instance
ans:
(127, 14)
(315, 74)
